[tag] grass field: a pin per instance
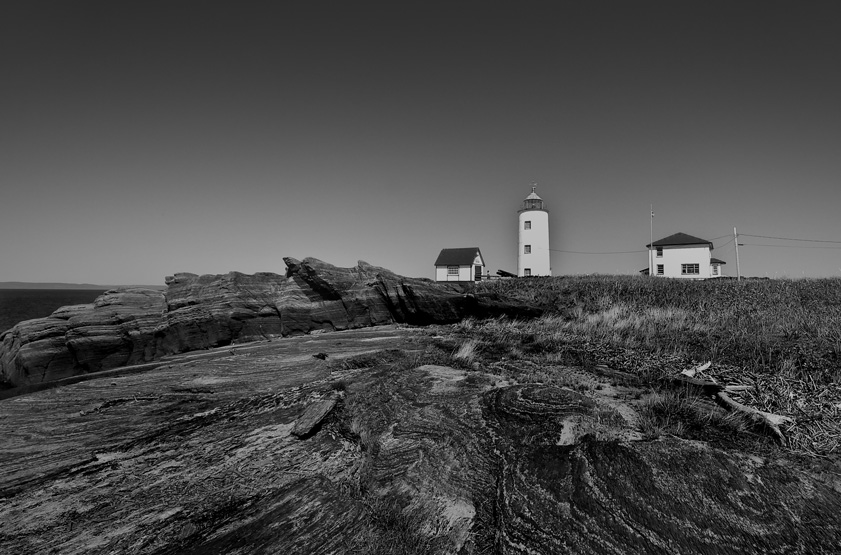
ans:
(780, 337)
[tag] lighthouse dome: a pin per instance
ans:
(533, 201)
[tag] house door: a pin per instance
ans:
(477, 273)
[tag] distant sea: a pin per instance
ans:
(17, 305)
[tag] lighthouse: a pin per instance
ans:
(533, 243)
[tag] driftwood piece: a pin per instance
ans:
(766, 420)
(312, 417)
(735, 388)
(614, 374)
(691, 372)
(706, 387)
(699, 386)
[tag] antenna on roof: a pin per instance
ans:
(651, 243)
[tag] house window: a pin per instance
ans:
(452, 270)
(526, 249)
(659, 269)
(659, 252)
(527, 272)
(527, 224)
(690, 269)
(715, 269)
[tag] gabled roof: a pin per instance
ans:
(714, 260)
(458, 257)
(679, 239)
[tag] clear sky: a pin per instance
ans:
(139, 139)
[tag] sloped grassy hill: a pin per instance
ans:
(782, 337)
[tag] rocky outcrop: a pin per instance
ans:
(115, 330)
(131, 326)
(408, 455)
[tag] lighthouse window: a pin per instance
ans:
(527, 224)
(527, 272)
(526, 249)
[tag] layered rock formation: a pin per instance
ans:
(116, 329)
(197, 312)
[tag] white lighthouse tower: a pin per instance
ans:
(533, 243)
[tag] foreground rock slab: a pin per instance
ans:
(198, 456)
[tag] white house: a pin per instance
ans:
(684, 256)
(464, 264)
(533, 238)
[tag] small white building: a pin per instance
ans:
(533, 256)
(683, 256)
(465, 264)
(715, 267)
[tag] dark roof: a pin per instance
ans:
(679, 239)
(458, 257)
(714, 260)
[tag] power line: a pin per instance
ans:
(789, 239)
(726, 243)
(790, 246)
(636, 252)
(585, 252)
(721, 246)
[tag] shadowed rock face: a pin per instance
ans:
(197, 312)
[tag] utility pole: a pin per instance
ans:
(738, 268)
(651, 244)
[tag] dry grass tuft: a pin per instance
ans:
(682, 414)
(468, 352)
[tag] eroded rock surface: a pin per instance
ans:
(199, 456)
(125, 327)
(308, 422)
